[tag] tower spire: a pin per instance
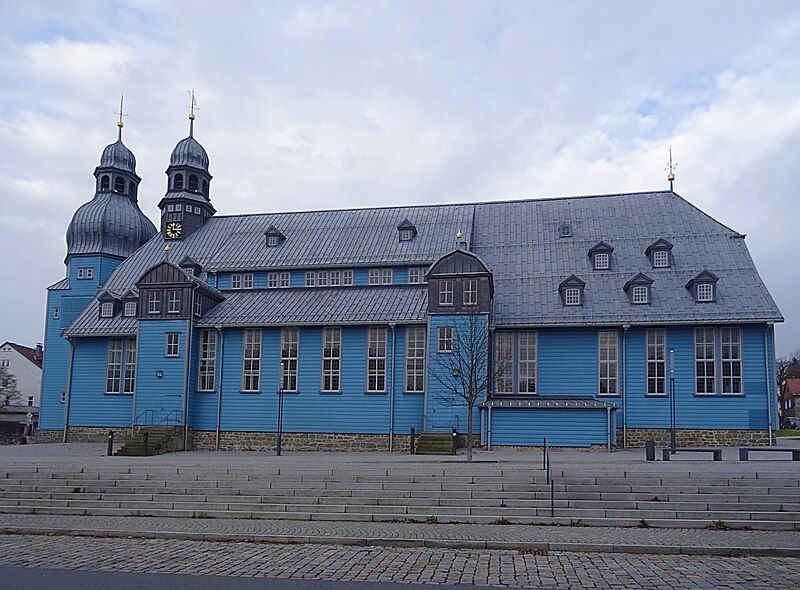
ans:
(192, 107)
(120, 123)
(671, 167)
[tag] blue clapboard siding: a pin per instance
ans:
(163, 395)
(360, 277)
(441, 415)
(564, 428)
(102, 267)
(54, 369)
(567, 362)
(408, 406)
(90, 405)
(748, 411)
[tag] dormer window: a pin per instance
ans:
(272, 241)
(406, 230)
(274, 237)
(600, 255)
(565, 230)
(660, 253)
(704, 287)
(638, 289)
(130, 309)
(571, 291)
(106, 310)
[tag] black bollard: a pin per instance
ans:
(650, 450)
(110, 450)
(413, 439)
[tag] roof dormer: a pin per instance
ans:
(638, 289)
(191, 266)
(274, 237)
(703, 287)
(109, 304)
(406, 231)
(571, 291)
(660, 253)
(600, 255)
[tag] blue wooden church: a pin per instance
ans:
(600, 320)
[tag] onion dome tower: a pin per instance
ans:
(187, 204)
(111, 224)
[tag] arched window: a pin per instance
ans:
(205, 187)
(131, 189)
(119, 184)
(105, 182)
(193, 183)
(177, 182)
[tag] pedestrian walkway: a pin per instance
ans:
(541, 538)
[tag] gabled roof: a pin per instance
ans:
(571, 281)
(639, 279)
(659, 244)
(791, 388)
(601, 247)
(26, 351)
(406, 224)
(704, 277)
(274, 231)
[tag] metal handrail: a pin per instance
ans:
(166, 420)
(548, 467)
(145, 413)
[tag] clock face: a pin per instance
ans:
(174, 229)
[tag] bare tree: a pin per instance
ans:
(9, 393)
(786, 367)
(466, 374)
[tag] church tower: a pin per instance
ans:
(187, 204)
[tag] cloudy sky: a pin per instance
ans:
(333, 104)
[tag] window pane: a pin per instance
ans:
(289, 354)
(608, 353)
(415, 358)
(504, 362)
(526, 358)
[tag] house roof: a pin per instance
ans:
(26, 351)
(518, 241)
(791, 388)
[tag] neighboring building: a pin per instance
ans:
(25, 364)
(790, 392)
(586, 301)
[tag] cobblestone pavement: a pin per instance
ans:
(479, 536)
(502, 568)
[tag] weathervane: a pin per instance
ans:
(192, 106)
(121, 114)
(671, 167)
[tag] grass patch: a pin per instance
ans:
(718, 525)
(501, 520)
(787, 432)
(432, 520)
(643, 524)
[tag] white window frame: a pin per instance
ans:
(207, 361)
(247, 280)
(469, 293)
(322, 278)
(172, 345)
(129, 309)
(602, 261)
(285, 280)
(80, 273)
(376, 359)
(406, 234)
(444, 339)
(656, 360)
(607, 362)
(387, 276)
(527, 354)
(572, 296)
(251, 361)
(106, 310)
(170, 208)
(236, 281)
(415, 359)
(197, 210)
(504, 362)
(640, 294)
(311, 278)
(446, 292)
(705, 361)
(153, 302)
(374, 276)
(660, 258)
(731, 377)
(705, 292)
(414, 276)
(56, 313)
(347, 278)
(272, 241)
(331, 360)
(121, 366)
(290, 350)
(89, 272)
(173, 301)
(198, 307)
(335, 278)
(129, 366)
(272, 280)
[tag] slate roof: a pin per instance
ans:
(26, 351)
(518, 240)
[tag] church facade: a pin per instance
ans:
(591, 321)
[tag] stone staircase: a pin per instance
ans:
(414, 492)
(152, 440)
(436, 443)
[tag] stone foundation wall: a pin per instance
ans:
(298, 441)
(696, 438)
(82, 434)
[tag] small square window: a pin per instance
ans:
(347, 278)
(386, 276)
(80, 273)
(173, 345)
(374, 277)
(572, 296)
(414, 276)
(236, 281)
(601, 261)
(272, 241)
(661, 259)
(89, 273)
(56, 313)
(445, 340)
(322, 278)
(272, 280)
(106, 310)
(705, 292)
(130, 309)
(189, 271)
(30, 401)
(197, 210)
(311, 279)
(406, 235)
(247, 281)
(63, 396)
(641, 294)
(335, 277)
(285, 280)
(170, 208)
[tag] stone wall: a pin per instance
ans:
(696, 438)
(298, 441)
(82, 434)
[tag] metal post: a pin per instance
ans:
(552, 499)
(280, 412)
(544, 453)
(672, 420)
(110, 450)
(413, 439)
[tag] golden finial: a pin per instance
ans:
(671, 167)
(121, 114)
(192, 107)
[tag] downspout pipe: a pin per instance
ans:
(769, 378)
(392, 326)
(186, 367)
(219, 390)
(625, 328)
(68, 390)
